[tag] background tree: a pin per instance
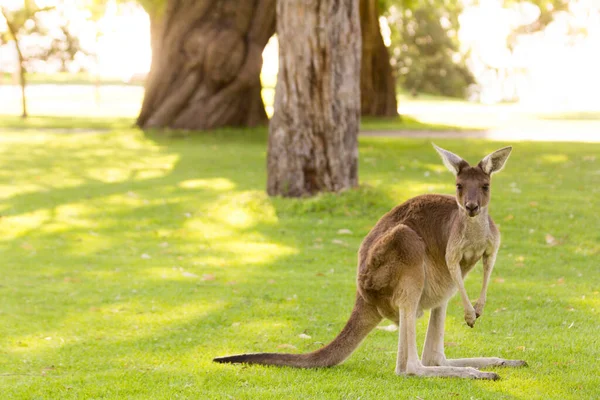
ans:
(206, 63)
(313, 133)
(426, 47)
(20, 22)
(377, 81)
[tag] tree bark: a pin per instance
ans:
(377, 82)
(206, 63)
(313, 133)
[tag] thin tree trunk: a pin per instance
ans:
(377, 82)
(206, 63)
(22, 80)
(313, 133)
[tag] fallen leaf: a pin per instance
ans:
(337, 241)
(271, 281)
(551, 240)
(344, 232)
(189, 274)
(320, 274)
(509, 217)
(304, 336)
(522, 348)
(450, 344)
(499, 280)
(27, 246)
(208, 277)
(287, 346)
(533, 203)
(561, 281)
(145, 256)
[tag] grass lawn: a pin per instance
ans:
(129, 262)
(87, 123)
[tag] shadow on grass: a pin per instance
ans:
(133, 260)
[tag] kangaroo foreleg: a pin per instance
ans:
(455, 272)
(488, 265)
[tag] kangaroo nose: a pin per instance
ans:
(472, 207)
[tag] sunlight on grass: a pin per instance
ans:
(220, 184)
(554, 158)
(246, 253)
(245, 209)
(13, 227)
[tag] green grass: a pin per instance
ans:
(65, 78)
(101, 123)
(130, 261)
(51, 122)
(406, 123)
(572, 116)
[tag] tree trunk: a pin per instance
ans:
(22, 82)
(313, 133)
(206, 63)
(13, 32)
(377, 83)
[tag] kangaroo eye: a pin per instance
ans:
(486, 188)
(458, 186)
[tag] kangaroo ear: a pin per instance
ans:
(495, 162)
(453, 162)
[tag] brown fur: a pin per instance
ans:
(415, 258)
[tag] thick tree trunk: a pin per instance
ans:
(206, 63)
(313, 133)
(377, 83)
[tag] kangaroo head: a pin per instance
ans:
(473, 183)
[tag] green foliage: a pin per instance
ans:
(130, 261)
(425, 48)
(16, 20)
(25, 21)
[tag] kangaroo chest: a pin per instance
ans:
(465, 248)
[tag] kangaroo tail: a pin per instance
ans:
(363, 320)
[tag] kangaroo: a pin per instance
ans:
(415, 258)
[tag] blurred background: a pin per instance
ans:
(472, 64)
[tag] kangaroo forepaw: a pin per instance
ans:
(470, 317)
(478, 309)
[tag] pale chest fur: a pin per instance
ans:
(466, 246)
